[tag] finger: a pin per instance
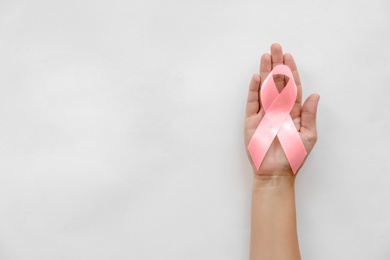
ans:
(277, 59)
(265, 66)
(253, 102)
(277, 54)
(309, 115)
(289, 61)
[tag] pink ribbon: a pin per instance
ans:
(277, 121)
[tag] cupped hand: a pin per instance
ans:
(304, 116)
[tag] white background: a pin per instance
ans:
(121, 127)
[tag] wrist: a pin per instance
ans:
(281, 170)
(267, 181)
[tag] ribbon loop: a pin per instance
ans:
(278, 122)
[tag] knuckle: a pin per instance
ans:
(313, 137)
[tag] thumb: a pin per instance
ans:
(309, 113)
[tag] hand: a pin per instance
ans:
(304, 116)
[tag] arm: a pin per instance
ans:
(273, 221)
(273, 218)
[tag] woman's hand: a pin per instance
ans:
(304, 116)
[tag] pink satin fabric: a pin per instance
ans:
(277, 121)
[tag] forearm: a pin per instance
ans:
(273, 219)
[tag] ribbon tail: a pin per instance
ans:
(261, 140)
(292, 144)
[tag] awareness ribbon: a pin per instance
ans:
(277, 121)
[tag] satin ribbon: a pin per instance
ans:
(277, 121)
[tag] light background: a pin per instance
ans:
(121, 127)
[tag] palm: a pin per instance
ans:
(275, 161)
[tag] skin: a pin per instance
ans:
(273, 217)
